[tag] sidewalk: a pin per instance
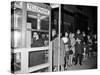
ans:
(90, 63)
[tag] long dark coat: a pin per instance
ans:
(78, 48)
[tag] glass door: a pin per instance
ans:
(38, 39)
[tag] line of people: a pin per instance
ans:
(74, 49)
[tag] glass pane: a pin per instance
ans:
(15, 39)
(15, 62)
(31, 18)
(16, 18)
(37, 58)
(33, 22)
(39, 39)
(45, 23)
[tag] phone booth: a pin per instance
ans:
(30, 39)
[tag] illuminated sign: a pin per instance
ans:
(37, 9)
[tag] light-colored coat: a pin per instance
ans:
(73, 42)
(55, 51)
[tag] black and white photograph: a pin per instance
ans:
(53, 37)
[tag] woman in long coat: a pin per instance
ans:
(72, 44)
(55, 48)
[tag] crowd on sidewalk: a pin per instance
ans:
(75, 48)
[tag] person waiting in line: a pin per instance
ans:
(66, 42)
(85, 51)
(72, 48)
(89, 42)
(78, 51)
(84, 37)
(46, 42)
(55, 48)
(79, 35)
(94, 45)
(45, 39)
(36, 41)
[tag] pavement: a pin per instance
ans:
(90, 63)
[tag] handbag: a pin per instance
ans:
(70, 52)
(73, 60)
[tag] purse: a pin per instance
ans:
(70, 52)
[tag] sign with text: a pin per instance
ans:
(37, 9)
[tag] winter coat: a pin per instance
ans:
(55, 48)
(78, 48)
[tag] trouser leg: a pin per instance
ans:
(62, 67)
(80, 59)
(76, 58)
(55, 68)
(69, 62)
(66, 61)
(71, 59)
